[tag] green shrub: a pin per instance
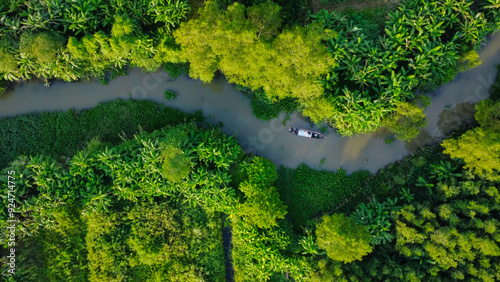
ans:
(169, 95)
(399, 179)
(176, 166)
(371, 21)
(468, 61)
(117, 71)
(419, 161)
(176, 69)
(376, 216)
(406, 121)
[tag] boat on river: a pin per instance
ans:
(306, 133)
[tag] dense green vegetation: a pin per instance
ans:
(342, 238)
(367, 78)
(407, 119)
(133, 191)
(364, 73)
(442, 224)
(116, 192)
(82, 39)
(372, 77)
(65, 133)
(480, 147)
(169, 94)
(103, 203)
(94, 214)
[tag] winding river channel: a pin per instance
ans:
(452, 106)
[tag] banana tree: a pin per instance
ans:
(492, 10)
(85, 16)
(168, 12)
(445, 171)
(474, 30)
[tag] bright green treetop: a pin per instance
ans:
(480, 147)
(43, 47)
(342, 238)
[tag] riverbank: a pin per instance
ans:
(221, 102)
(62, 134)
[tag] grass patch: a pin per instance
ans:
(63, 133)
(308, 193)
(389, 140)
(169, 95)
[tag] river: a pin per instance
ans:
(219, 101)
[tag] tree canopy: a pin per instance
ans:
(342, 238)
(480, 147)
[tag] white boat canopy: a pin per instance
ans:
(304, 133)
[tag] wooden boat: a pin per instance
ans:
(306, 133)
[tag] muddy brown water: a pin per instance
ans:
(452, 106)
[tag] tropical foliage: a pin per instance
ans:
(442, 224)
(480, 147)
(418, 50)
(104, 203)
(116, 192)
(135, 191)
(368, 79)
(266, 109)
(71, 40)
(444, 228)
(342, 238)
(95, 215)
(376, 217)
(246, 45)
(352, 78)
(67, 132)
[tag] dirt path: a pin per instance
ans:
(316, 5)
